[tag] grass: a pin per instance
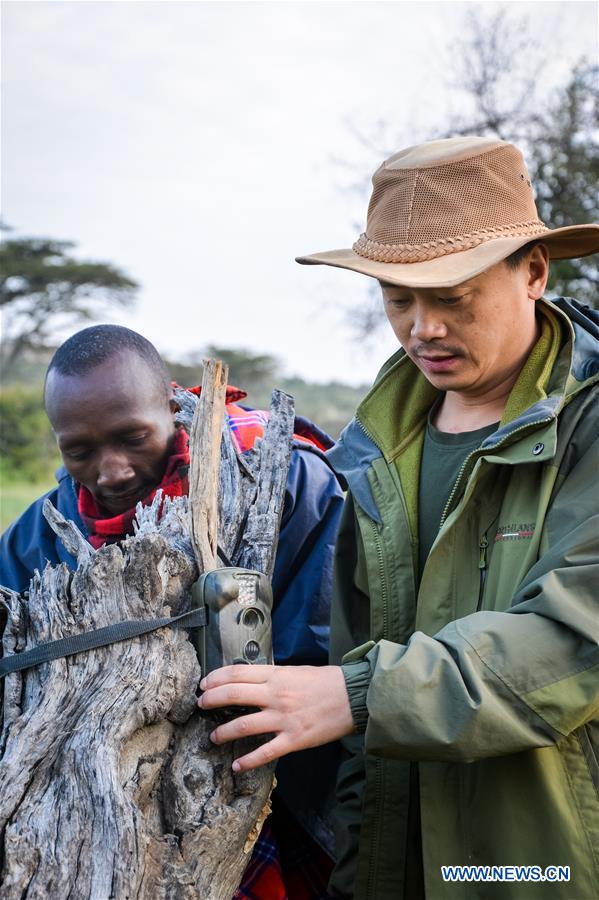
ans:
(15, 497)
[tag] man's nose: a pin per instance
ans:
(428, 324)
(114, 470)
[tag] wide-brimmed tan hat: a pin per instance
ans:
(447, 210)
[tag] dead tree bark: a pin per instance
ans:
(109, 784)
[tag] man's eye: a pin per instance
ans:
(451, 300)
(135, 440)
(77, 455)
(399, 302)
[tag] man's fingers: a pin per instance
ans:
(233, 695)
(265, 754)
(244, 726)
(304, 706)
(248, 674)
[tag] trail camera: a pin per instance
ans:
(238, 605)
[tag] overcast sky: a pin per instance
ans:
(199, 146)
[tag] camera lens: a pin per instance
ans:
(252, 618)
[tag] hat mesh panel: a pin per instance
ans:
(413, 206)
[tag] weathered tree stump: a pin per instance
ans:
(109, 784)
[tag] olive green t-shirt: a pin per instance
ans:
(442, 457)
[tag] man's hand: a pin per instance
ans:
(304, 706)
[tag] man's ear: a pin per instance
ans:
(173, 405)
(537, 271)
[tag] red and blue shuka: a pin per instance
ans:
(302, 582)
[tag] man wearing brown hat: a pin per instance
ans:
(465, 630)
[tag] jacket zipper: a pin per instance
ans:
(528, 426)
(378, 776)
(455, 487)
(382, 575)
(377, 542)
(367, 433)
(482, 568)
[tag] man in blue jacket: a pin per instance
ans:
(110, 401)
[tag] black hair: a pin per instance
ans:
(94, 345)
(514, 259)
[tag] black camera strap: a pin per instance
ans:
(100, 637)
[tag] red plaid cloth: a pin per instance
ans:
(286, 863)
(263, 877)
(248, 424)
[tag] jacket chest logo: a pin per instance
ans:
(515, 531)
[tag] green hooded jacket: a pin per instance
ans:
(486, 673)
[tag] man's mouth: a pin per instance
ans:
(438, 362)
(120, 501)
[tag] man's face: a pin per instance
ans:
(114, 426)
(474, 337)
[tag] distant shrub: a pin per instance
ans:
(28, 450)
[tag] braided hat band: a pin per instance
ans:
(413, 253)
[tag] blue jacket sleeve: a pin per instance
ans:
(303, 575)
(29, 543)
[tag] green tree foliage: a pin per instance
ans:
(330, 405)
(565, 170)
(28, 451)
(245, 368)
(498, 70)
(43, 287)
